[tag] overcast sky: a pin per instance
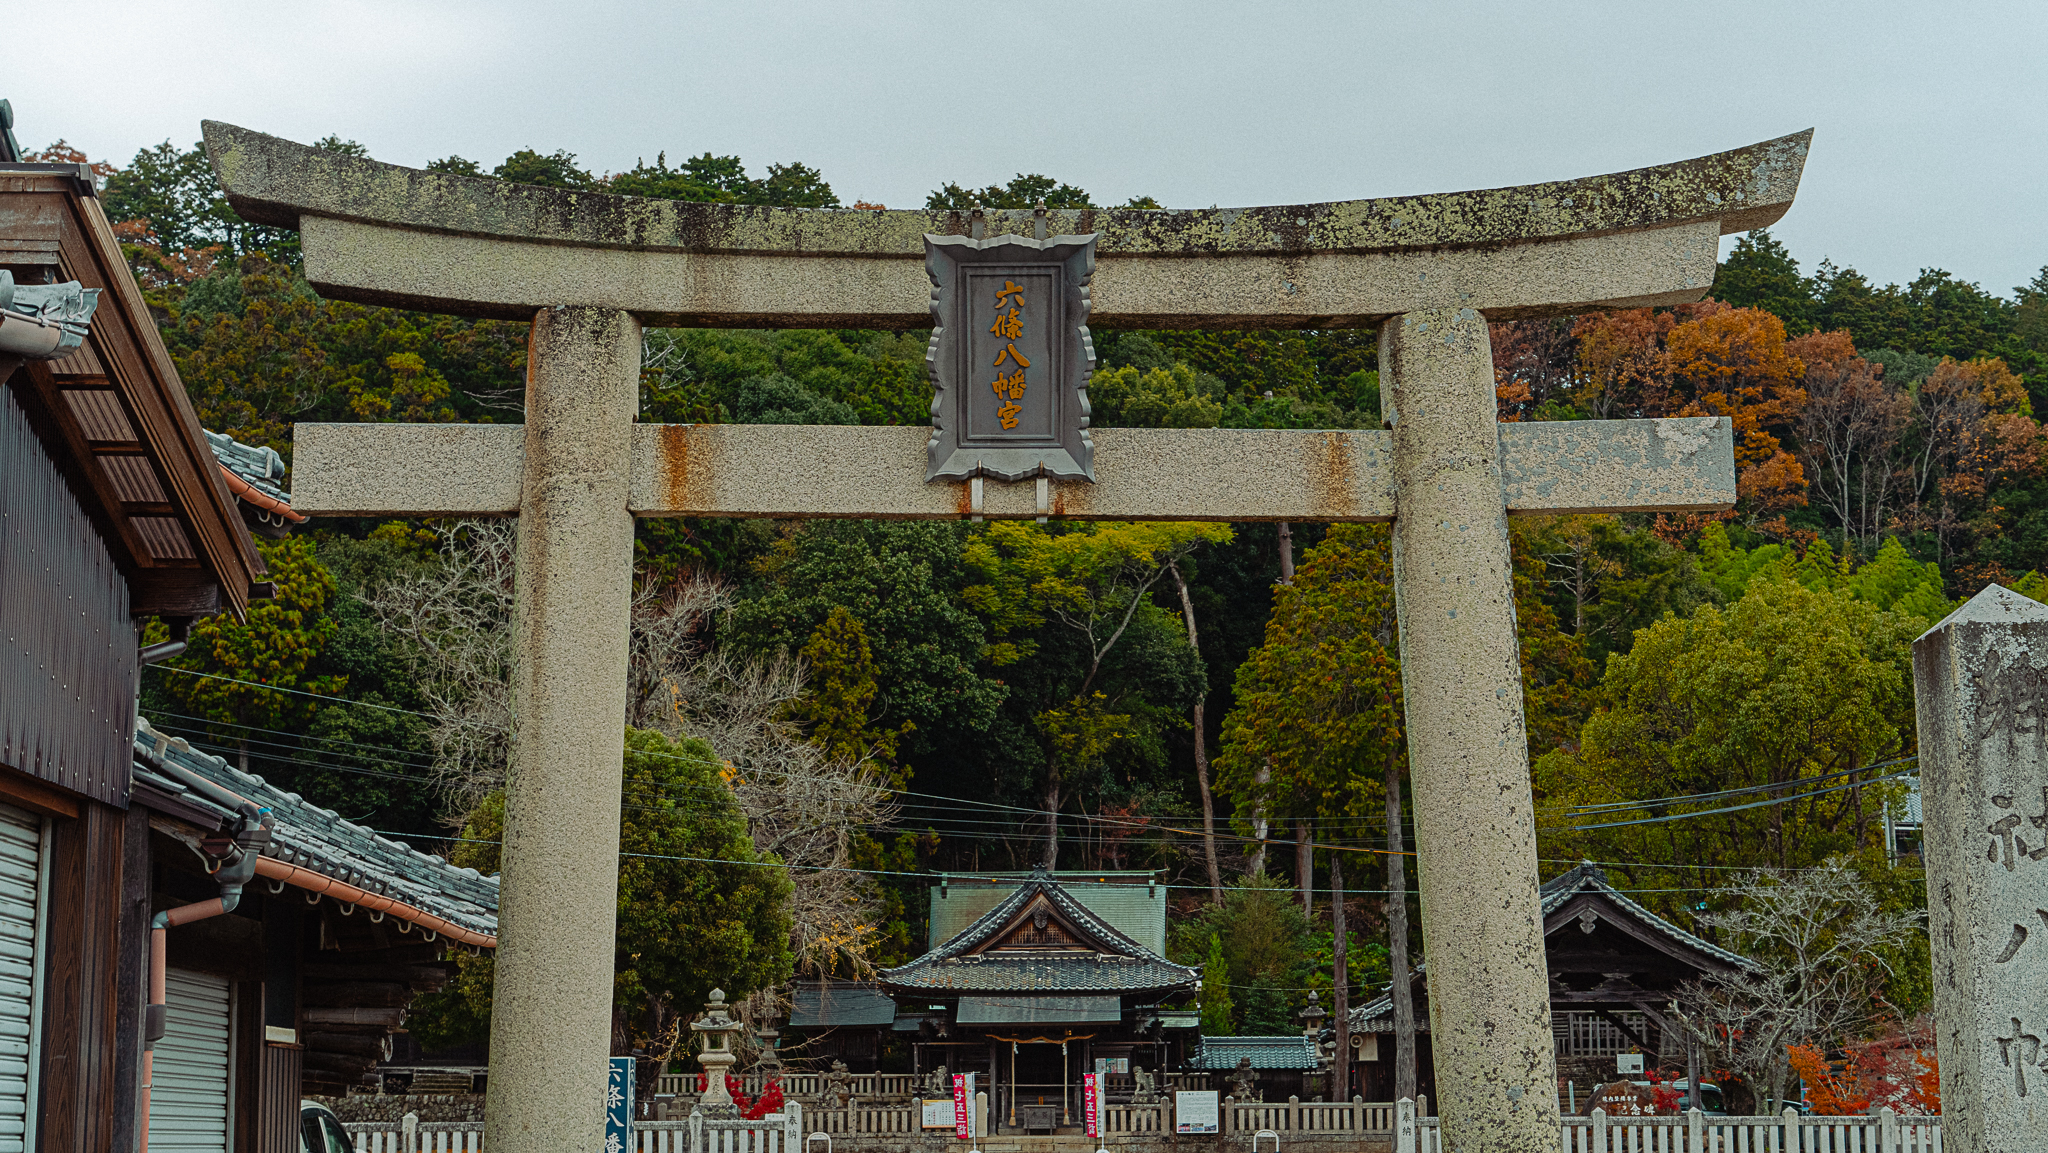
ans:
(1925, 156)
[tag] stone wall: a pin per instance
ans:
(1146, 1143)
(392, 1107)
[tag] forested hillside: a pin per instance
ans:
(1021, 693)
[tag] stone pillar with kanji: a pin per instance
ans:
(1980, 681)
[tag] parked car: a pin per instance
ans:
(1711, 1103)
(320, 1130)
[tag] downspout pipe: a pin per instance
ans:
(246, 849)
(181, 631)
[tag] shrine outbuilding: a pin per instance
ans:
(1614, 969)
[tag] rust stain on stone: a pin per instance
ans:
(680, 483)
(965, 504)
(1331, 476)
(1059, 500)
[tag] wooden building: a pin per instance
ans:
(301, 985)
(116, 507)
(1614, 969)
(112, 510)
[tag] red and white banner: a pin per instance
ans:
(1091, 1102)
(963, 1105)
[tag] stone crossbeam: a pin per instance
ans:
(382, 234)
(1682, 464)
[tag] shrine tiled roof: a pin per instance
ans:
(1118, 964)
(1586, 877)
(256, 476)
(1284, 1051)
(314, 838)
(816, 1005)
(1377, 1015)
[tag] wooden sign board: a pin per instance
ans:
(1010, 357)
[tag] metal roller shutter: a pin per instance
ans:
(21, 902)
(188, 1099)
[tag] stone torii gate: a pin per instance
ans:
(1429, 272)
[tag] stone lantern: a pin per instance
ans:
(718, 1029)
(1312, 1017)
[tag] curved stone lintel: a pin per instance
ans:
(274, 181)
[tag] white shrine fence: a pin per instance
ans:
(815, 1088)
(1316, 1122)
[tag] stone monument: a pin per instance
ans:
(1144, 1088)
(839, 1084)
(1243, 1080)
(1980, 679)
(1427, 272)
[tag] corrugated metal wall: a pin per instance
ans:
(277, 1103)
(67, 648)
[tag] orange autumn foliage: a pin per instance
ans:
(1708, 359)
(1734, 364)
(1897, 1070)
(1828, 1092)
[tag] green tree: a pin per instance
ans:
(1757, 702)
(1217, 1009)
(793, 185)
(699, 907)
(839, 696)
(1760, 273)
(1173, 397)
(1021, 192)
(902, 583)
(244, 661)
(659, 181)
(1265, 944)
(1318, 712)
(251, 375)
(1069, 598)
(554, 170)
(797, 376)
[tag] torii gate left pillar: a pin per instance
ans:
(551, 1004)
(1426, 271)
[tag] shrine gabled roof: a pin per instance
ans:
(1583, 879)
(1586, 877)
(313, 838)
(1102, 959)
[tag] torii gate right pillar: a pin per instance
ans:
(1461, 684)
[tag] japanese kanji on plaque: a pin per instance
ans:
(1010, 357)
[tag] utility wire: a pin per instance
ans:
(1683, 798)
(1728, 809)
